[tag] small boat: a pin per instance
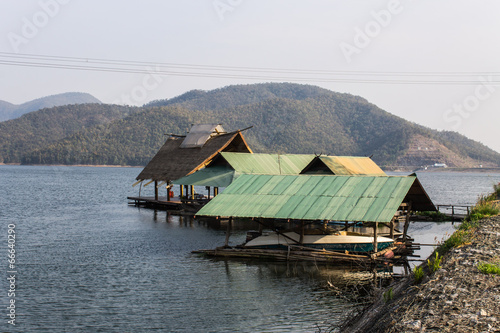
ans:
(340, 241)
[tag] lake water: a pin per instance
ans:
(88, 262)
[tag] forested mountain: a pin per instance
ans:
(287, 118)
(37, 130)
(11, 111)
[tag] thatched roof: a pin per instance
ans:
(172, 161)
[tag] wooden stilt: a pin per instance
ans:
(156, 190)
(392, 229)
(181, 191)
(228, 231)
(301, 240)
(216, 191)
(407, 221)
(192, 192)
(375, 235)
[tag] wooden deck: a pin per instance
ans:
(175, 203)
(299, 253)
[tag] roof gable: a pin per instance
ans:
(172, 161)
(343, 165)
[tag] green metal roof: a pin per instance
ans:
(217, 176)
(243, 163)
(268, 164)
(312, 197)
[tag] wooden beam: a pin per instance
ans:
(148, 183)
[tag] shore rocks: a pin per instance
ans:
(455, 298)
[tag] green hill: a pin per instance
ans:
(10, 111)
(37, 130)
(287, 118)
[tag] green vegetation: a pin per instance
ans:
(486, 206)
(287, 118)
(488, 268)
(436, 216)
(35, 131)
(418, 274)
(388, 295)
(435, 263)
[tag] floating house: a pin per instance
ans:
(303, 200)
(183, 155)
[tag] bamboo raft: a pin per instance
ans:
(301, 253)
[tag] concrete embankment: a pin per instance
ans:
(455, 298)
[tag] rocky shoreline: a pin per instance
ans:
(455, 298)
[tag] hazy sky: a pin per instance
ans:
(433, 62)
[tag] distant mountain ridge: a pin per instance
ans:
(11, 111)
(287, 118)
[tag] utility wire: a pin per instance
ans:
(253, 73)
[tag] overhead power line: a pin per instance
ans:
(247, 73)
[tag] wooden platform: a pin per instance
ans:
(175, 203)
(299, 253)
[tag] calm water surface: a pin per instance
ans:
(87, 262)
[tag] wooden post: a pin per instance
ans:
(186, 189)
(407, 221)
(156, 190)
(168, 191)
(346, 226)
(208, 189)
(192, 192)
(216, 191)
(392, 229)
(375, 235)
(181, 191)
(228, 231)
(301, 240)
